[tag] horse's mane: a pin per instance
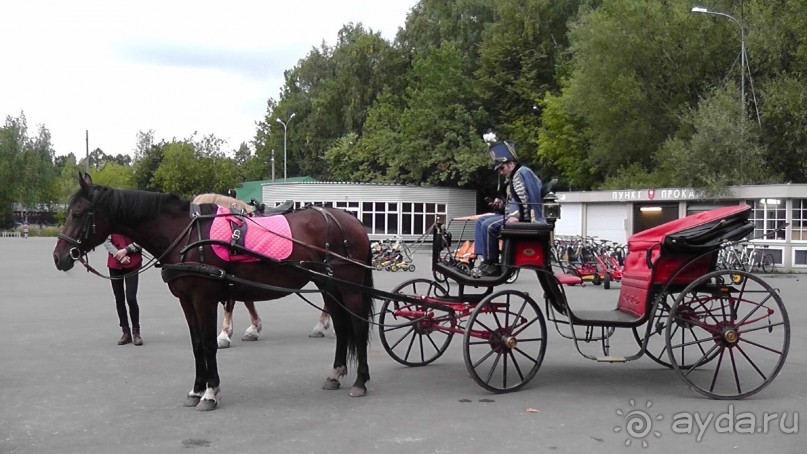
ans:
(130, 206)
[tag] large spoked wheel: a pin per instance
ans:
(505, 341)
(413, 334)
(689, 340)
(742, 329)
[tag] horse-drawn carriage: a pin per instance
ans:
(725, 332)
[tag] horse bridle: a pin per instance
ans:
(89, 225)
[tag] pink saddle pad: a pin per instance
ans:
(267, 236)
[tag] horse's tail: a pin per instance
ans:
(368, 301)
(365, 313)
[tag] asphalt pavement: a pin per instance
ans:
(66, 387)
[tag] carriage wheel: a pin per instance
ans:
(505, 341)
(743, 328)
(690, 341)
(409, 337)
(513, 277)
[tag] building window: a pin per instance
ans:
(418, 218)
(350, 207)
(380, 217)
(390, 218)
(767, 215)
(800, 257)
(799, 220)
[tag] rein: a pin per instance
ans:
(81, 256)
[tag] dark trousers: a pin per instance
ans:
(124, 294)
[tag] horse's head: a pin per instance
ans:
(84, 227)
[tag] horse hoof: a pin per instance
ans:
(331, 384)
(358, 392)
(249, 337)
(223, 341)
(206, 405)
(191, 401)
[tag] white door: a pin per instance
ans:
(571, 220)
(607, 221)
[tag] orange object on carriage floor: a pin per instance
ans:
(465, 253)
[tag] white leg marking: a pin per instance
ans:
(223, 340)
(338, 372)
(212, 394)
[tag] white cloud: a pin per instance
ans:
(177, 67)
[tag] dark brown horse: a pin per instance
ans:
(329, 247)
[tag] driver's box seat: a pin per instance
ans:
(526, 243)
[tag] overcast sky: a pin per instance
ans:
(115, 68)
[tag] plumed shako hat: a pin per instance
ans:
(502, 152)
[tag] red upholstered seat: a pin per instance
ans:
(668, 250)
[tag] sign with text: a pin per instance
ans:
(634, 195)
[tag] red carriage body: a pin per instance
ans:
(683, 313)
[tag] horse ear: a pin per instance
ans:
(84, 181)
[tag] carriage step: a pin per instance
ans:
(611, 359)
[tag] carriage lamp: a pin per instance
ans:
(551, 208)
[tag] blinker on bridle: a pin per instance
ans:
(89, 225)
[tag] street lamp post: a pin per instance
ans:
(702, 10)
(284, 123)
(273, 165)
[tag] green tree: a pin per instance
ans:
(564, 147)
(330, 92)
(179, 170)
(518, 59)
(784, 119)
(434, 140)
(434, 23)
(716, 148)
(115, 175)
(148, 158)
(186, 171)
(26, 167)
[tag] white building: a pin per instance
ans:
(384, 209)
(617, 214)
(410, 211)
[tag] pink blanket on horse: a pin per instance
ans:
(269, 236)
